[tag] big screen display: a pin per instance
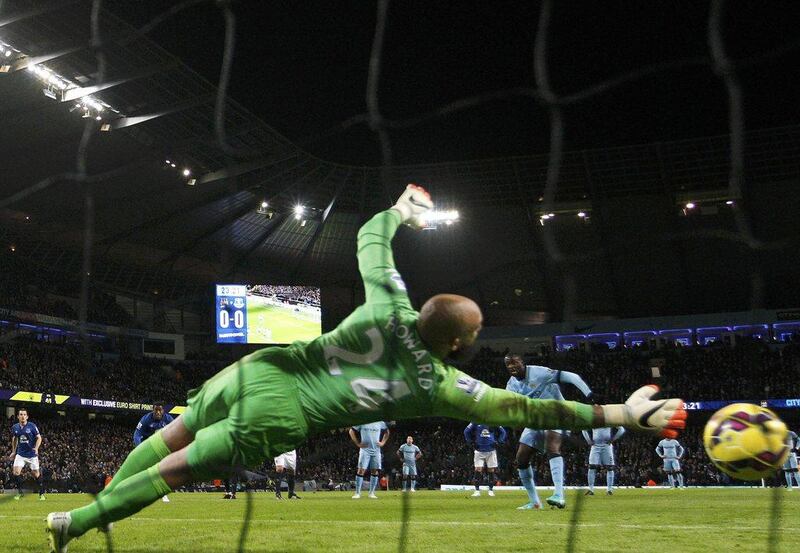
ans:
(267, 313)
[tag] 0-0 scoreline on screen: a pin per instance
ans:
(267, 313)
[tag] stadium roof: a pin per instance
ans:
(152, 230)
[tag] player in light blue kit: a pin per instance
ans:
(25, 442)
(409, 453)
(602, 455)
(151, 423)
(369, 441)
(790, 466)
(671, 451)
(541, 383)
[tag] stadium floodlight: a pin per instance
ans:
(172, 165)
(168, 162)
(98, 118)
(581, 214)
(433, 219)
(264, 204)
(298, 211)
(729, 202)
(690, 205)
(437, 216)
(186, 172)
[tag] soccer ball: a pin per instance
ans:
(746, 441)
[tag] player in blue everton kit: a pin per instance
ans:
(409, 453)
(539, 382)
(151, 423)
(671, 451)
(790, 466)
(602, 455)
(373, 437)
(25, 442)
(484, 439)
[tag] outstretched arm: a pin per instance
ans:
(572, 378)
(382, 282)
(476, 401)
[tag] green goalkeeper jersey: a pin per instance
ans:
(375, 366)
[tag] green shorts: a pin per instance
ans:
(248, 412)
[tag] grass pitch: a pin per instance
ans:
(279, 325)
(630, 521)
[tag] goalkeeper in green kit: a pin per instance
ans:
(385, 361)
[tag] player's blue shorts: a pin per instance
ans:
(602, 455)
(791, 462)
(369, 460)
(536, 438)
(409, 470)
(672, 465)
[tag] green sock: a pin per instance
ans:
(129, 497)
(144, 456)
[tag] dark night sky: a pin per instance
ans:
(302, 67)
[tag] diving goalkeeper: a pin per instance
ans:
(385, 361)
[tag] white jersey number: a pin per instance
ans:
(334, 353)
(372, 393)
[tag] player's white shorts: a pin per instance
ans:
(672, 465)
(602, 455)
(409, 470)
(31, 462)
(287, 460)
(791, 462)
(488, 457)
(367, 460)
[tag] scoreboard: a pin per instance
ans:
(232, 313)
(267, 313)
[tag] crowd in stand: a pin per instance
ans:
(297, 294)
(70, 370)
(750, 370)
(76, 449)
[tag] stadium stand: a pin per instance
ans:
(712, 372)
